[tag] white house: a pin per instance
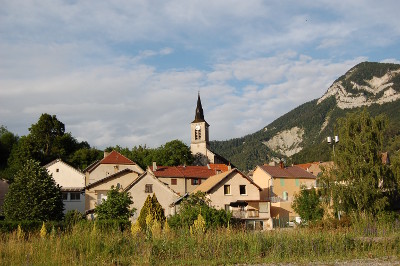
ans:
(72, 182)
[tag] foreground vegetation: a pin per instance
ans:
(88, 244)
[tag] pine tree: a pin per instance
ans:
(153, 207)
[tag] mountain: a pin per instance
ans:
(299, 136)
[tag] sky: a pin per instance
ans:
(128, 72)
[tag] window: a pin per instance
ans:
(197, 133)
(174, 181)
(65, 196)
(282, 181)
(227, 208)
(242, 189)
(227, 189)
(101, 196)
(285, 195)
(57, 170)
(148, 188)
(297, 182)
(196, 181)
(75, 196)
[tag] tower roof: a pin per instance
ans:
(199, 116)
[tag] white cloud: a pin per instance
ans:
(128, 72)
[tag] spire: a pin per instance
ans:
(199, 116)
(199, 110)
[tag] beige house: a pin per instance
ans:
(147, 185)
(97, 191)
(235, 192)
(182, 179)
(72, 183)
(111, 164)
(279, 185)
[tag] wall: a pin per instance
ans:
(66, 176)
(104, 170)
(219, 199)
(91, 194)
(164, 195)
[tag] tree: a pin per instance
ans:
(33, 195)
(153, 207)
(359, 182)
(45, 132)
(82, 158)
(117, 206)
(308, 205)
(7, 141)
(174, 153)
(192, 206)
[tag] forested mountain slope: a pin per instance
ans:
(300, 135)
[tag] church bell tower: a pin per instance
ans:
(199, 131)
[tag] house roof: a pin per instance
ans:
(219, 167)
(213, 181)
(116, 158)
(113, 158)
(287, 172)
(126, 170)
(152, 175)
(183, 171)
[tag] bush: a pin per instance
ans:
(29, 226)
(194, 205)
(72, 217)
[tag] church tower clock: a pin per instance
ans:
(199, 131)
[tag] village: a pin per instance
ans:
(262, 200)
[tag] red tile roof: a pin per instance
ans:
(287, 172)
(183, 171)
(219, 167)
(116, 158)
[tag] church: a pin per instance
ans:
(199, 143)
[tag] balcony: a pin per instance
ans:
(243, 214)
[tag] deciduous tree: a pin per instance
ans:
(117, 206)
(308, 205)
(33, 195)
(359, 181)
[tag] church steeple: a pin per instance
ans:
(199, 116)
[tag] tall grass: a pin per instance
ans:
(86, 244)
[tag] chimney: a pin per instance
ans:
(281, 165)
(154, 166)
(106, 153)
(229, 167)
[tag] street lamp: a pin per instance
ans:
(330, 141)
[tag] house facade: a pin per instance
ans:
(181, 179)
(97, 191)
(233, 191)
(147, 185)
(72, 183)
(112, 163)
(279, 185)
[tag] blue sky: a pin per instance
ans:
(128, 72)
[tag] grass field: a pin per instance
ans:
(85, 244)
